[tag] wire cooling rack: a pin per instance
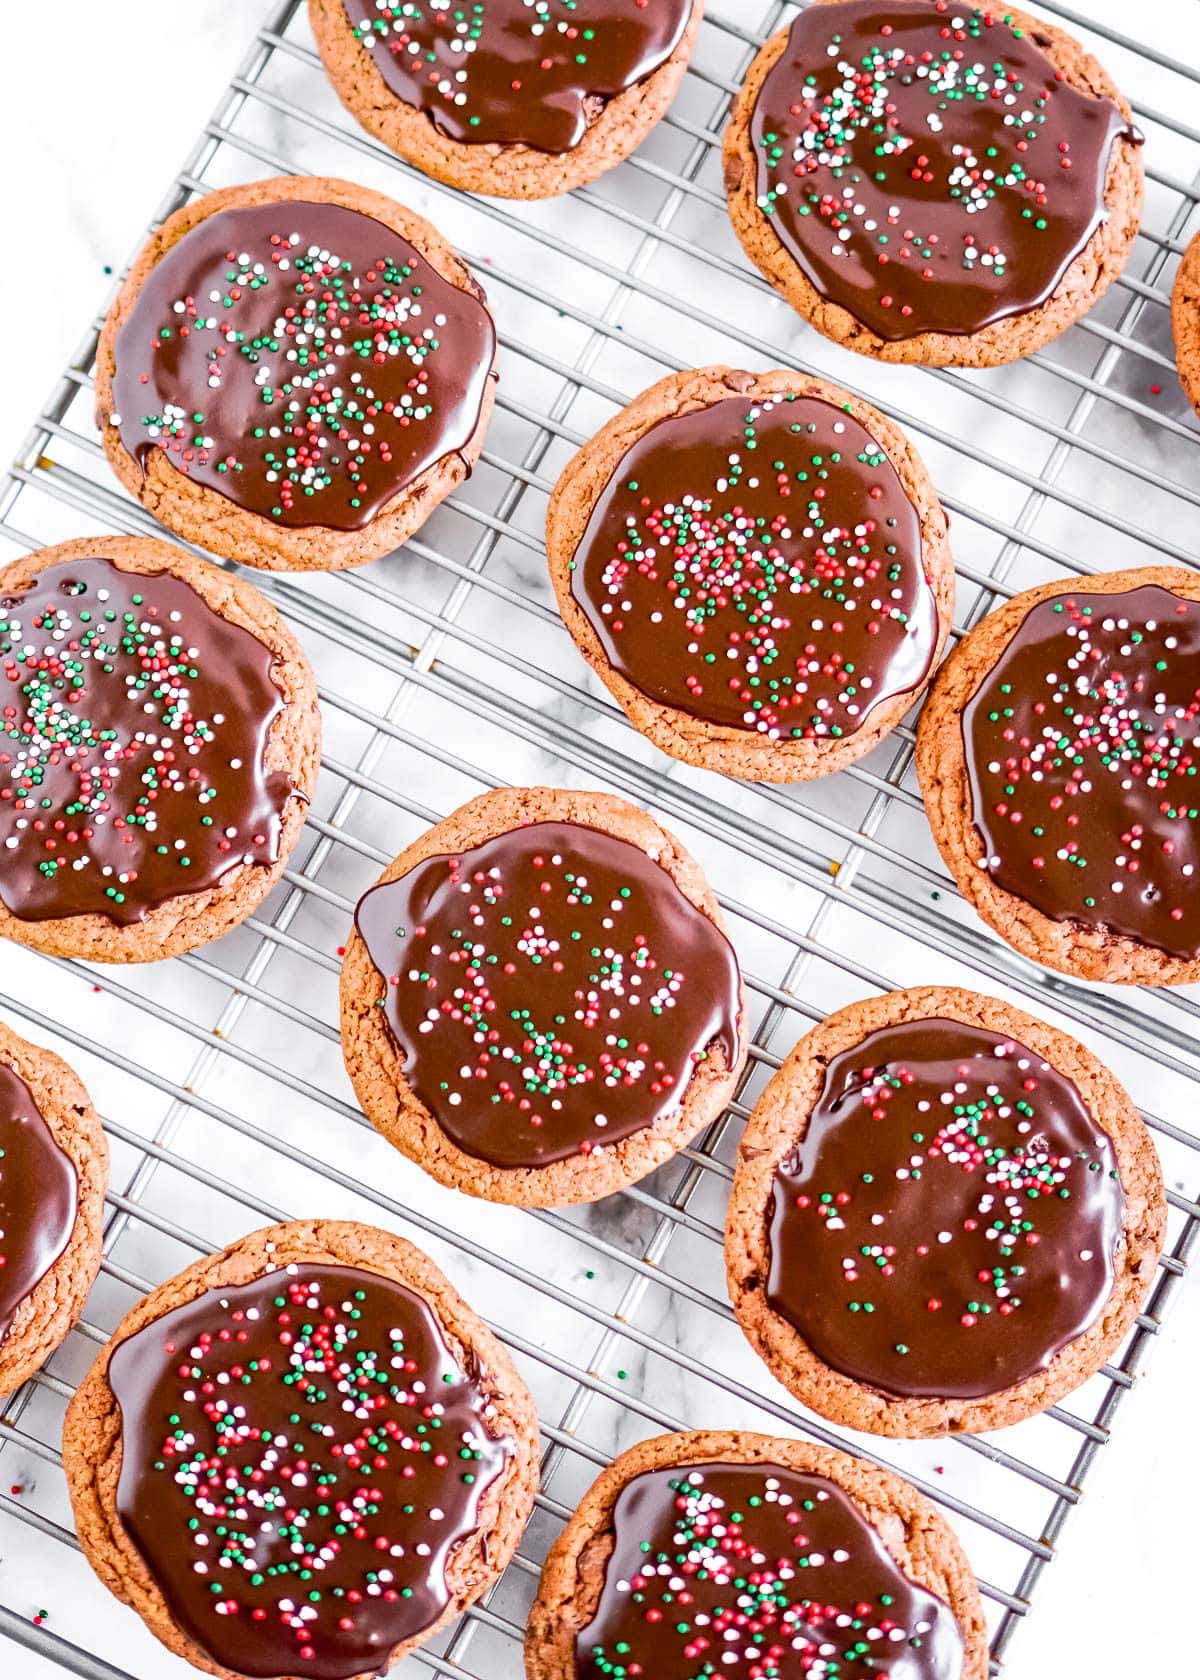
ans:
(445, 670)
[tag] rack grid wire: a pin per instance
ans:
(445, 670)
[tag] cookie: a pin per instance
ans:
(757, 567)
(507, 97)
(931, 182)
(159, 742)
(945, 1215)
(539, 1001)
(295, 374)
(724, 1552)
(53, 1175)
(1185, 321)
(1056, 753)
(302, 1456)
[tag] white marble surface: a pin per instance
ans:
(100, 105)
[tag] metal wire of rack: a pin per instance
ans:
(445, 670)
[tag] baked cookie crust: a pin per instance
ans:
(1185, 321)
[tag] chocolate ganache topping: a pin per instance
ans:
(759, 565)
(301, 1456)
(756, 1570)
(133, 725)
(1082, 746)
(950, 1219)
(552, 991)
(516, 72)
(301, 359)
(39, 1194)
(927, 165)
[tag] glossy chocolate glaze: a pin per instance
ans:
(301, 1458)
(926, 165)
(39, 1196)
(551, 990)
(1082, 746)
(950, 1219)
(133, 726)
(758, 565)
(514, 72)
(756, 1570)
(301, 359)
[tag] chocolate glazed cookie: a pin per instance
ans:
(295, 374)
(945, 1215)
(1185, 321)
(159, 743)
(725, 1552)
(757, 567)
(1057, 755)
(933, 182)
(508, 97)
(539, 1001)
(53, 1175)
(302, 1456)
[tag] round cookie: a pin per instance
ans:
(343, 1461)
(53, 1175)
(816, 593)
(295, 374)
(695, 1554)
(997, 210)
(945, 1215)
(511, 99)
(1063, 809)
(1185, 321)
(539, 1001)
(159, 743)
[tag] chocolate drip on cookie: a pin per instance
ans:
(750, 1570)
(927, 165)
(551, 990)
(302, 1457)
(758, 565)
(517, 72)
(39, 1193)
(950, 1219)
(134, 722)
(1082, 746)
(303, 360)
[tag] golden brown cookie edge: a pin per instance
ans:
(1185, 321)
